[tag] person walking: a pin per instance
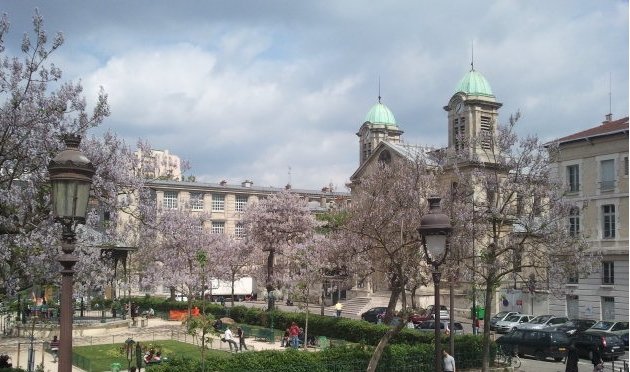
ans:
(229, 338)
(572, 358)
(54, 348)
(294, 333)
(338, 307)
(241, 339)
(448, 362)
(596, 359)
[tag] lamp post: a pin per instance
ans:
(272, 297)
(434, 230)
(71, 177)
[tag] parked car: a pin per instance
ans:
(624, 338)
(420, 316)
(610, 344)
(512, 322)
(541, 343)
(429, 325)
(618, 328)
(574, 326)
(502, 315)
(544, 321)
(372, 314)
(444, 314)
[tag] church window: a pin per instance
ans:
(486, 132)
(459, 125)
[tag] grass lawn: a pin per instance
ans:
(98, 358)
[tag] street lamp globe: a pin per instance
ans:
(434, 230)
(71, 175)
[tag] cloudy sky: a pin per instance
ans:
(249, 89)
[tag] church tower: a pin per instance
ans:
(379, 125)
(472, 117)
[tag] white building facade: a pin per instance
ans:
(594, 165)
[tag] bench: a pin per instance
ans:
(263, 334)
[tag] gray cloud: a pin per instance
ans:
(249, 89)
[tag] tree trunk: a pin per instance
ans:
(451, 298)
(486, 327)
(413, 296)
(306, 322)
(321, 307)
(269, 285)
(376, 356)
(391, 307)
(233, 276)
(172, 291)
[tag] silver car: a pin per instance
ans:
(512, 322)
(544, 321)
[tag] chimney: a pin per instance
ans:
(288, 186)
(223, 183)
(608, 118)
(247, 183)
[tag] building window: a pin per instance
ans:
(573, 278)
(625, 166)
(170, 200)
(607, 168)
(218, 202)
(239, 230)
(241, 202)
(196, 201)
(608, 221)
(608, 272)
(574, 221)
(218, 227)
(573, 178)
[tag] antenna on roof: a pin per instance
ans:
(379, 89)
(472, 55)
(609, 116)
(289, 175)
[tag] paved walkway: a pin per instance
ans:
(157, 329)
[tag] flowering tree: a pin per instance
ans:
(35, 108)
(380, 232)
(512, 207)
(381, 228)
(275, 225)
(178, 251)
(237, 258)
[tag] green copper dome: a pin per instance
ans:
(380, 114)
(474, 83)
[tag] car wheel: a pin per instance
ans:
(540, 355)
(557, 359)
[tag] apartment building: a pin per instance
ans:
(594, 165)
(226, 202)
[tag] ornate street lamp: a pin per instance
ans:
(71, 178)
(434, 229)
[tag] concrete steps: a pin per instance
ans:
(355, 306)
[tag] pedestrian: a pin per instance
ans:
(572, 358)
(285, 338)
(294, 332)
(54, 348)
(241, 339)
(448, 362)
(338, 307)
(229, 338)
(598, 363)
(476, 326)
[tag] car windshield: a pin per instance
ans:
(540, 319)
(513, 318)
(602, 325)
(501, 314)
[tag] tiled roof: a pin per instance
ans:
(606, 128)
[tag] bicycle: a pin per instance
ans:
(508, 356)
